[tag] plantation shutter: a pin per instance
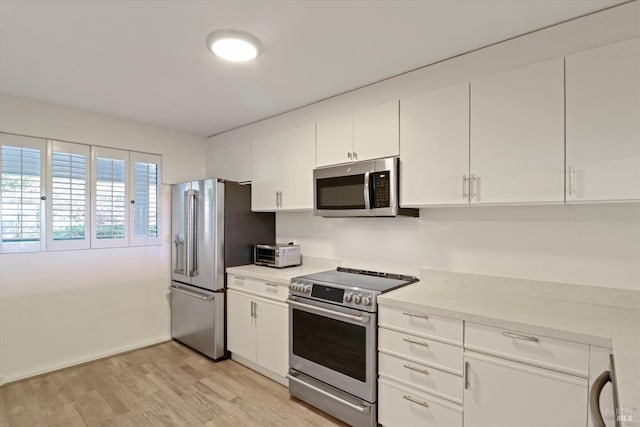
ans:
(145, 197)
(68, 202)
(22, 169)
(110, 205)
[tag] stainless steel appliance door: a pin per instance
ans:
(209, 235)
(180, 246)
(197, 319)
(333, 344)
(343, 190)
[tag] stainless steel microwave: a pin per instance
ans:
(365, 188)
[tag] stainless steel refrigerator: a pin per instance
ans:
(212, 227)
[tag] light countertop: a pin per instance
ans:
(283, 276)
(597, 316)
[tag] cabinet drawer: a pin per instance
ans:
(421, 323)
(258, 287)
(421, 349)
(547, 352)
(440, 383)
(403, 407)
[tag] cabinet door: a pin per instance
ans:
(517, 135)
(298, 152)
(241, 330)
(232, 162)
(499, 393)
(434, 147)
(603, 123)
(273, 336)
(266, 165)
(376, 132)
(334, 140)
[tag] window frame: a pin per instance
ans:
(72, 148)
(134, 157)
(21, 141)
(116, 154)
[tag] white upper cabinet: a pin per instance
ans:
(282, 170)
(266, 166)
(376, 131)
(603, 123)
(296, 184)
(434, 147)
(371, 133)
(334, 143)
(232, 162)
(517, 135)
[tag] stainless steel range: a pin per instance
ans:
(333, 341)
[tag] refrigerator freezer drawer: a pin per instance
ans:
(197, 319)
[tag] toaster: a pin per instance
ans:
(278, 255)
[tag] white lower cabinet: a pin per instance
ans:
(258, 326)
(401, 406)
(501, 393)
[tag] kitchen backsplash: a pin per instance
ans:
(582, 244)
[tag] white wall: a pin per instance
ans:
(583, 244)
(595, 245)
(62, 308)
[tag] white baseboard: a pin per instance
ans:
(261, 370)
(69, 363)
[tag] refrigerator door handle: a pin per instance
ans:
(191, 241)
(203, 297)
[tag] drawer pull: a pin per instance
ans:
(520, 337)
(466, 375)
(411, 341)
(416, 401)
(408, 313)
(413, 368)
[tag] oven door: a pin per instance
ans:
(343, 190)
(336, 345)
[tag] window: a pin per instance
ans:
(145, 209)
(64, 196)
(68, 201)
(110, 205)
(21, 193)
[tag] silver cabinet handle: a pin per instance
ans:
(465, 186)
(474, 186)
(358, 408)
(410, 314)
(355, 156)
(416, 401)
(412, 341)
(280, 199)
(571, 181)
(367, 193)
(253, 310)
(594, 398)
(362, 319)
(277, 199)
(349, 155)
(466, 375)
(413, 368)
(520, 337)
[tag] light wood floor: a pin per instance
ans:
(167, 384)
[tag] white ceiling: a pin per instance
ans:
(147, 60)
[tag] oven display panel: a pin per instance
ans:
(327, 293)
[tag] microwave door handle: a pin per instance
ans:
(367, 193)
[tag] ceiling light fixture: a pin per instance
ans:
(234, 45)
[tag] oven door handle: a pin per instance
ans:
(361, 319)
(361, 409)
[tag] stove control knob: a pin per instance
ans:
(366, 301)
(347, 297)
(292, 286)
(296, 286)
(307, 288)
(356, 299)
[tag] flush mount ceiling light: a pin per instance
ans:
(234, 45)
